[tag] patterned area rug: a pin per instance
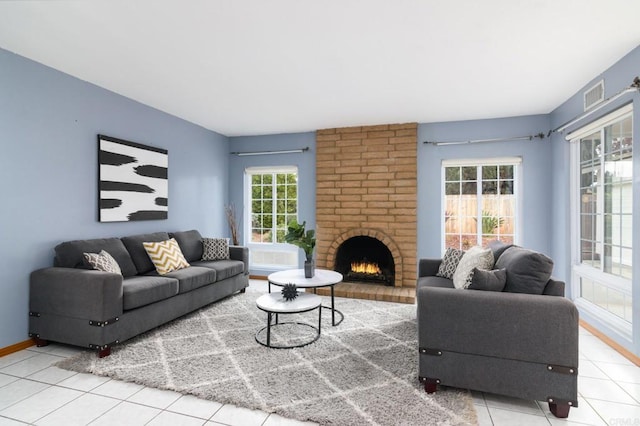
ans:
(361, 372)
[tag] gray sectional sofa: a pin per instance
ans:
(72, 304)
(521, 341)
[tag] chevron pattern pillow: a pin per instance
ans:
(215, 248)
(102, 261)
(166, 256)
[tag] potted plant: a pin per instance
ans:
(306, 240)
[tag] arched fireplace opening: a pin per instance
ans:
(365, 259)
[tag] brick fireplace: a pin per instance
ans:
(366, 186)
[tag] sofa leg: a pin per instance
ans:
(430, 385)
(243, 290)
(559, 410)
(40, 342)
(104, 352)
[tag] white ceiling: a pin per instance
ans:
(244, 67)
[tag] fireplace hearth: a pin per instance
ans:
(365, 259)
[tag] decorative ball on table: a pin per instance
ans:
(289, 292)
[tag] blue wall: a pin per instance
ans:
(305, 161)
(616, 78)
(536, 173)
(49, 123)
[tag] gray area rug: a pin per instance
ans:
(362, 372)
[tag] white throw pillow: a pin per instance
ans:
(475, 257)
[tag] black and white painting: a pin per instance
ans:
(133, 182)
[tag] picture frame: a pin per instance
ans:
(133, 181)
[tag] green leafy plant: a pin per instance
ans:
(297, 235)
(490, 223)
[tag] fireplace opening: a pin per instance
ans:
(365, 259)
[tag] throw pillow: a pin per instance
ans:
(166, 256)
(527, 271)
(494, 280)
(102, 261)
(449, 262)
(498, 247)
(475, 257)
(215, 248)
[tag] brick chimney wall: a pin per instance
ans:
(366, 184)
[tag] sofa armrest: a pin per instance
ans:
(240, 253)
(554, 287)
(527, 327)
(428, 267)
(76, 293)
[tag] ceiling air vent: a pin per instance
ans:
(594, 95)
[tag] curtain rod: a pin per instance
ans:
(635, 86)
(530, 137)
(286, 151)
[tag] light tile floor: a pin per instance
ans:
(34, 392)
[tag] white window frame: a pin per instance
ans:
(516, 162)
(284, 248)
(623, 328)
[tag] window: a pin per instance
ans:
(273, 201)
(479, 201)
(602, 163)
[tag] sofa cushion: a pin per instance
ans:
(433, 281)
(102, 261)
(70, 254)
(190, 243)
(527, 271)
(190, 278)
(498, 247)
(475, 257)
(138, 254)
(215, 248)
(166, 256)
(142, 290)
(449, 262)
(494, 280)
(224, 268)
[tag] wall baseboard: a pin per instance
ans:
(600, 335)
(16, 347)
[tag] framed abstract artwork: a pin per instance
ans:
(133, 181)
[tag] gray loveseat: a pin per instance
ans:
(504, 342)
(69, 303)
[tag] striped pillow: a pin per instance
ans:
(166, 256)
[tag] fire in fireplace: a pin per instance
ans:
(365, 259)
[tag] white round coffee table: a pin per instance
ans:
(274, 303)
(321, 278)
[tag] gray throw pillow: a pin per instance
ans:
(527, 271)
(494, 280)
(449, 262)
(498, 247)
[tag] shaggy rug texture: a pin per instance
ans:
(361, 372)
